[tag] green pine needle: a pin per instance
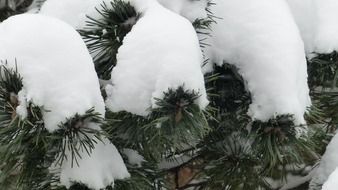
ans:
(176, 123)
(104, 36)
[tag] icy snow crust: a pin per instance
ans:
(263, 41)
(59, 75)
(161, 52)
(317, 21)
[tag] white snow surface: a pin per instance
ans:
(58, 72)
(191, 10)
(332, 182)
(262, 40)
(74, 12)
(161, 52)
(59, 75)
(328, 163)
(35, 6)
(133, 156)
(317, 21)
(98, 170)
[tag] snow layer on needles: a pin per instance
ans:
(332, 182)
(191, 10)
(54, 62)
(133, 156)
(98, 170)
(328, 164)
(317, 20)
(74, 12)
(263, 41)
(59, 75)
(161, 52)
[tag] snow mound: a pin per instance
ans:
(59, 75)
(161, 52)
(332, 182)
(57, 70)
(328, 163)
(262, 40)
(98, 170)
(317, 20)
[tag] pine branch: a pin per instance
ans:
(146, 177)
(27, 149)
(203, 26)
(175, 124)
(104, 36)
(239, 149)
(13, 7)
(323, 71)
(76, 136)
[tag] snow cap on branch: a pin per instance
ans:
(57, 70)
(262, 40)
(97, 170)
(317, 21)
(59, 76)
(161, 52)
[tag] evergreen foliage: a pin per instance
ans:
(323, 70)
(226, 148)
(103, 37)
(176, 123)
(11, 7)
(27, 149)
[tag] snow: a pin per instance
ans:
(304, 15)
(332, 182)
(161, 52)
(262, 40)
(98, 170)
(35, 6)
(295, 181)
(317, 20)
(59, 76)
(22, 108)
(328, 163)
(191, 10)
(133, 156)
(74, 12)
(58, 71)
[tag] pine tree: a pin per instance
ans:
(179, 144)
